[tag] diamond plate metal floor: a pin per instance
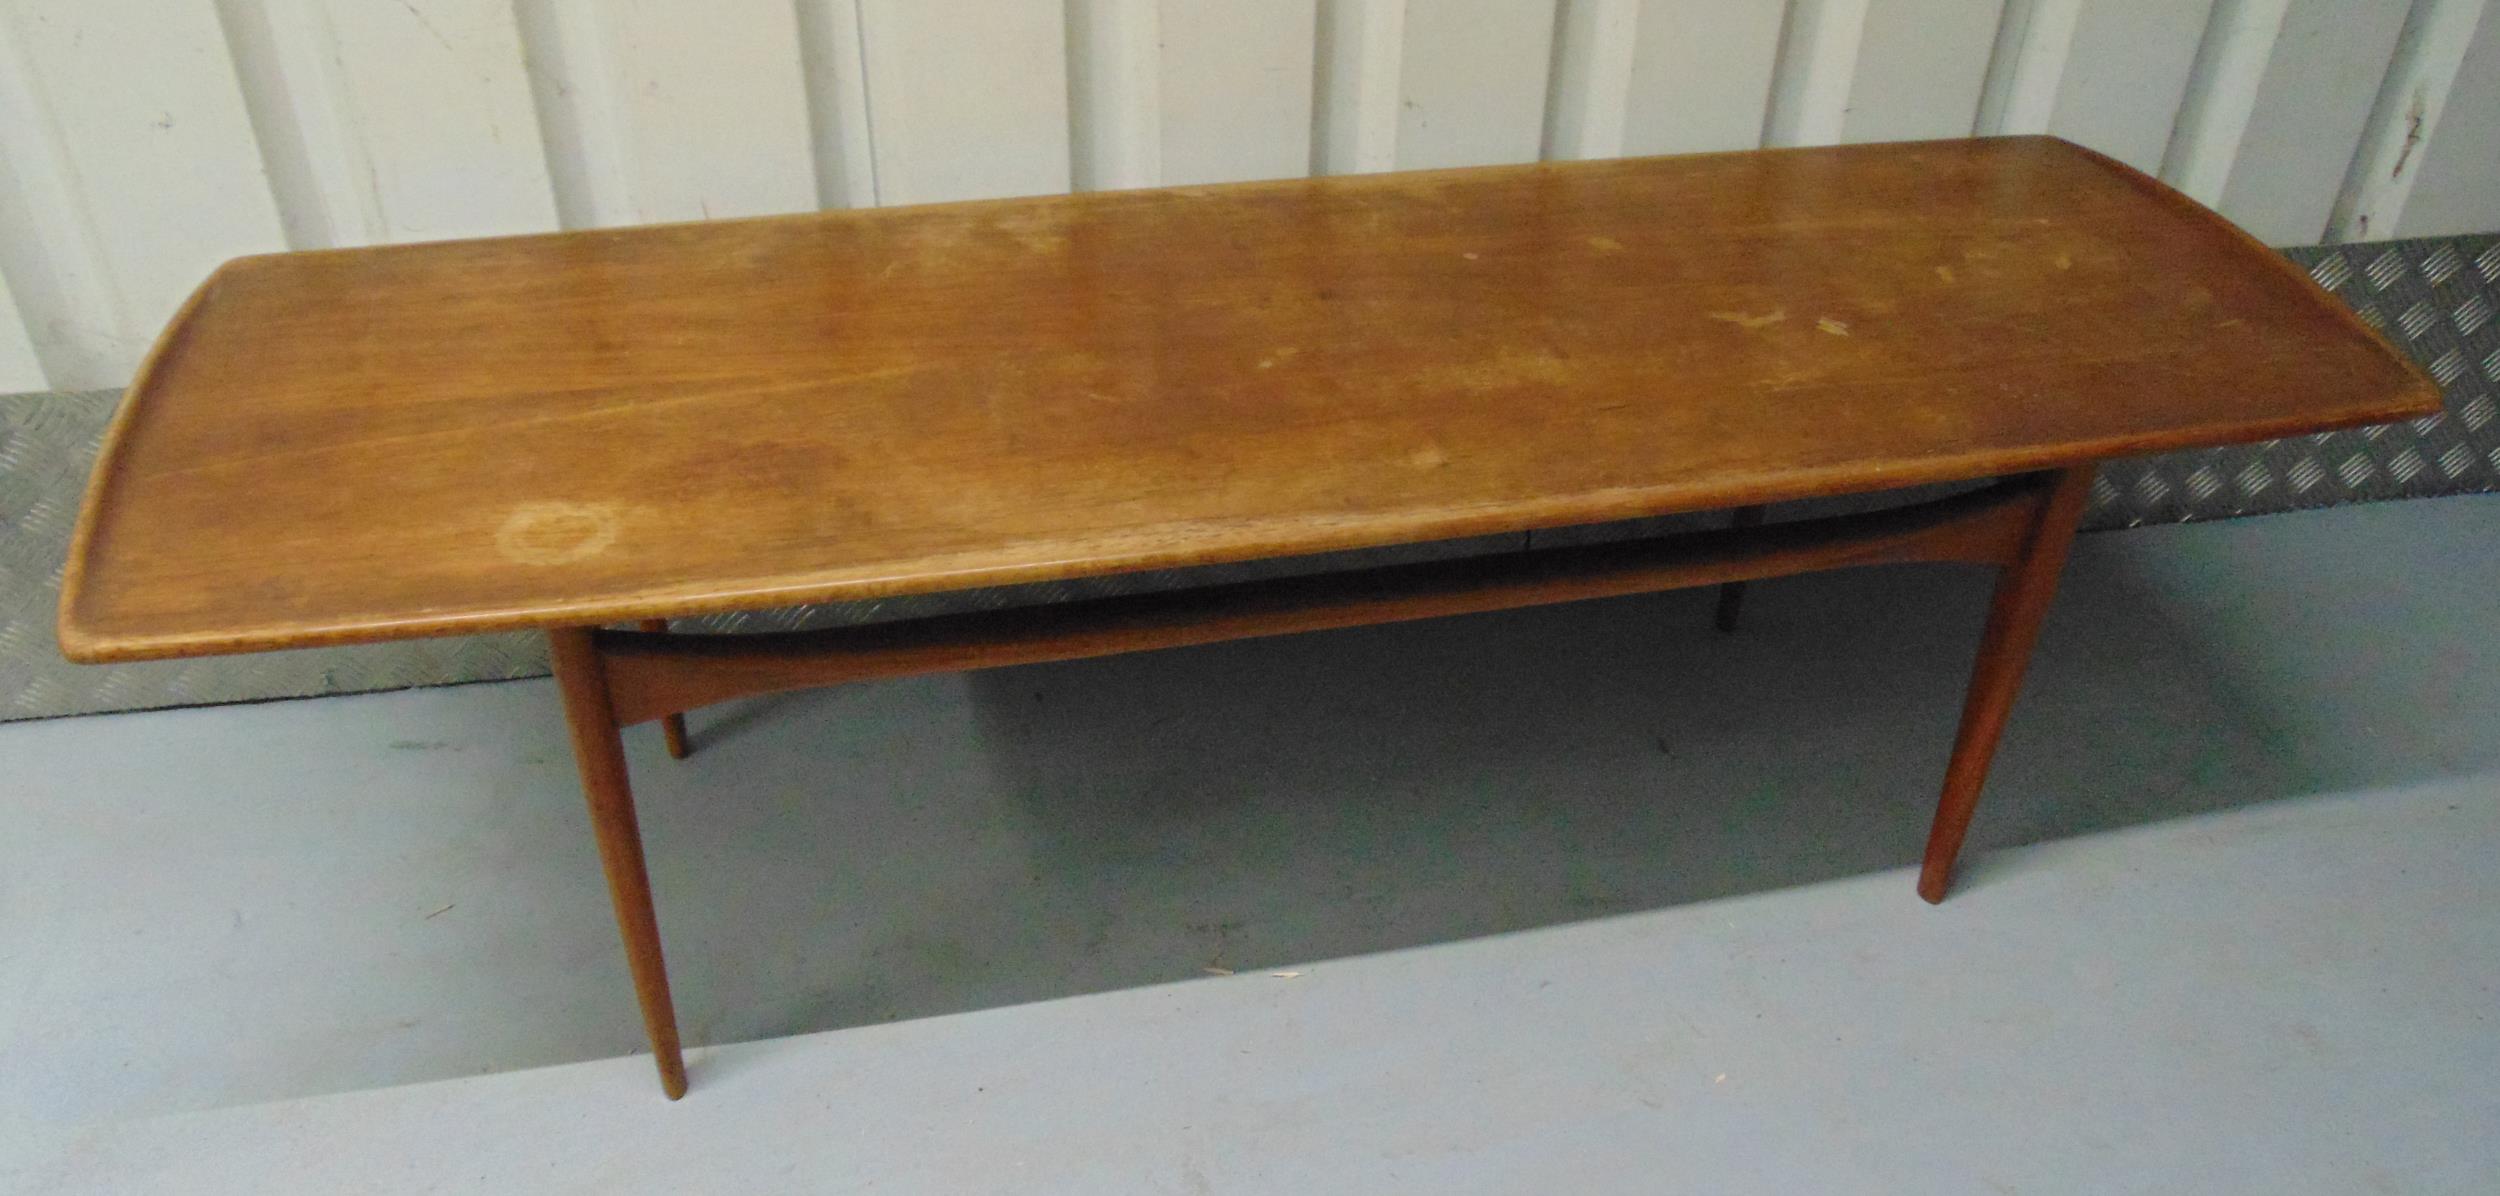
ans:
(2437, 298)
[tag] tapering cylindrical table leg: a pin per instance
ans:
(2024, 589)
(600, 752)
(672, 727)
(1732, 593)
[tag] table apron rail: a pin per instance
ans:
(651, 675)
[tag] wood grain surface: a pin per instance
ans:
(601, 426)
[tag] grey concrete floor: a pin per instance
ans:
(1437, 823)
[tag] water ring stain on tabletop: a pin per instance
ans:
(556, 533)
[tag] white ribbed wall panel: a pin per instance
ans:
(2414, 98)
(967, 99)
(128, 171)
(1472, 83)
(1660, 77)
(2311, 105)
(2126, 74)
(2457, 189)
(1233, 89)
(20, 369)
(144, 141)
(1920, 68)
(382, 123)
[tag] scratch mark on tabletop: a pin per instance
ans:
(1038, 232)
(1751, 323)
(512, 426)
(1505, 369)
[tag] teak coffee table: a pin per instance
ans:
(620, 427)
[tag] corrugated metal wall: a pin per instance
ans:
(144, 141)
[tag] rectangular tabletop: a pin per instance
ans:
(586, 427)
